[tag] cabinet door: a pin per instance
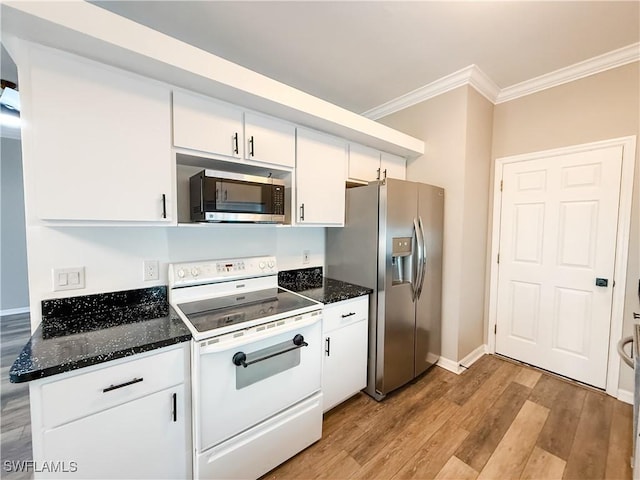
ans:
(140, 439)
(320, 179)
(394, 166)
(100, 142)
(200, 123)
(364, 163)
(345, 363)
(269, 140)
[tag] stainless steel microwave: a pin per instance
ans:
(233, 197)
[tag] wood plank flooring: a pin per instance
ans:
(15, 416)
(498, 420)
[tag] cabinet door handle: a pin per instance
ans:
(164, 206)
(302, 212)
(348, 315)
(235, 143)
(125, 384)
(327, 346)
(174, 407)
(385, 173)
(251, 154)
(378, 175)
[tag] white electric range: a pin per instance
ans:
(256, 365)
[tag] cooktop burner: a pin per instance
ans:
(214, 313)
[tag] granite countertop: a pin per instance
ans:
(78, 332)
(310, 283)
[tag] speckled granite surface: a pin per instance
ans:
(310, 283)
(81, 331)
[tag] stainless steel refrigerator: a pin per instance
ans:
(392, 243)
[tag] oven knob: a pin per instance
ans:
(195, 271)
(261, 265)
(271, 263)
(181, 273)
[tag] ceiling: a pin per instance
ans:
(361, 54)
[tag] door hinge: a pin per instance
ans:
(495, 329)
(498, 258)
(501, 185)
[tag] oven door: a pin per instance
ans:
(283, 367)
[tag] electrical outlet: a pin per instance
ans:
(150, 270)
(306, 256)
(68, 278)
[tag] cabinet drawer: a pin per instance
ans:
(344, 313)
(87, 393)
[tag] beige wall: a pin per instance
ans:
(599, 107)
(475, 222)
(456, 128)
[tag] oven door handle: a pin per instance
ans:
(240, 358)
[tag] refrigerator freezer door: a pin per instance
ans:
(396, 310)
(429, 303)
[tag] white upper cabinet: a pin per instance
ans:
(321, 163)
(98, 142)
(221, 129)
(269, 140)
(393, 166)
(364, 163)
(368, 164)
(203, 124)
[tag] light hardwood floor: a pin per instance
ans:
(498, 420)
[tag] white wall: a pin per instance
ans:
(113, 256)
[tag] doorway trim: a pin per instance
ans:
(622, 242)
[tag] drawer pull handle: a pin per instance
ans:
(348, 314)
(125, 384)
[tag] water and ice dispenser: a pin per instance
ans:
(402, 260)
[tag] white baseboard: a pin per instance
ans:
(625, 396)
(474, 356)
(449, 365)
(457, 367)
(14, 311)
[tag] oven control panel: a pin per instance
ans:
(212, 271)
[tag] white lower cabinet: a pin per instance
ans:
(345, 327)
(130, 419)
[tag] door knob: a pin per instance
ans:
(602, 282)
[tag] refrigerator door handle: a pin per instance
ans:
(423, 264)
(418, 271)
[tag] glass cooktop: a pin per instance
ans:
(214, 313)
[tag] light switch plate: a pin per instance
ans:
(68, 278)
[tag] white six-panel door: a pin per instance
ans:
(558, 228)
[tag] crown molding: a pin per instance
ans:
(601, 63)
(475, 77)
(471, 75)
